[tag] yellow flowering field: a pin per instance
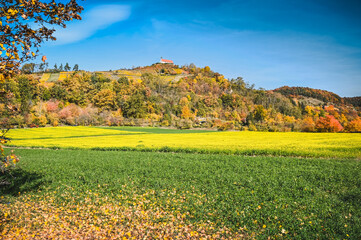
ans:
(335, 145)
(60, 132)
(63, 75)
(45, 77)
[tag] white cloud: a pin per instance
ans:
(99, 17)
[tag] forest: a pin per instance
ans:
(168, 95)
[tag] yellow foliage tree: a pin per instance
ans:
(105, 99)
(186, 113)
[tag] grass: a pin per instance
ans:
(102, 194)
(54, 77)
(324, 145)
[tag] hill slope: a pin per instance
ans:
(173, 96)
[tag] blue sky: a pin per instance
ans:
(311, 43)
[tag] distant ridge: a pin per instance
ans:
(355, 101)
(322, 95)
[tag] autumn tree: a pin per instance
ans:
(105, 99)
(328, 124)
(308, 125)
(354, 125)
(260, 113)
(24, 25)
(186, 113)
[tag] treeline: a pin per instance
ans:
(29, 68)
(198, 98)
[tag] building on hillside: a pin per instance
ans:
(165, 61)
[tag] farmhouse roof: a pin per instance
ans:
(165, 61)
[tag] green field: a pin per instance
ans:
(88, 193)
(54, 77)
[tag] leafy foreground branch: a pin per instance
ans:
(24, 25)
(6, 162)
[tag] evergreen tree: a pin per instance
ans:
(67, 67)
(76, 67)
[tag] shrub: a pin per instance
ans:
(226, 126)
(184, 124)
(252, 127)
(19, 121)
(165, 123)
(52, 106)
(40, 121)
(217, 123)
(55, 123)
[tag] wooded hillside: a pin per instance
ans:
(172, 96)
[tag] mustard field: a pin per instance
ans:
(324, 145)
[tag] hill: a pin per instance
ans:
(322, 95)
(317, 97)
(355, 101)
(172, 96)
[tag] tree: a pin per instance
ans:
(260, 113)
(24, 25)
(186, 113)
(354, 125)
(56, 68)
(105, 99)
(328, 124)
(76, 67)
(67, 67)
(42, 67)
(61, 68)
(28, 68)
(308, 125)
(27, 89)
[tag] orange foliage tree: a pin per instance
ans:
(328, 124)
(354, 125)
(308, 125)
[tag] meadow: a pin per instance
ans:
(87, 192)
